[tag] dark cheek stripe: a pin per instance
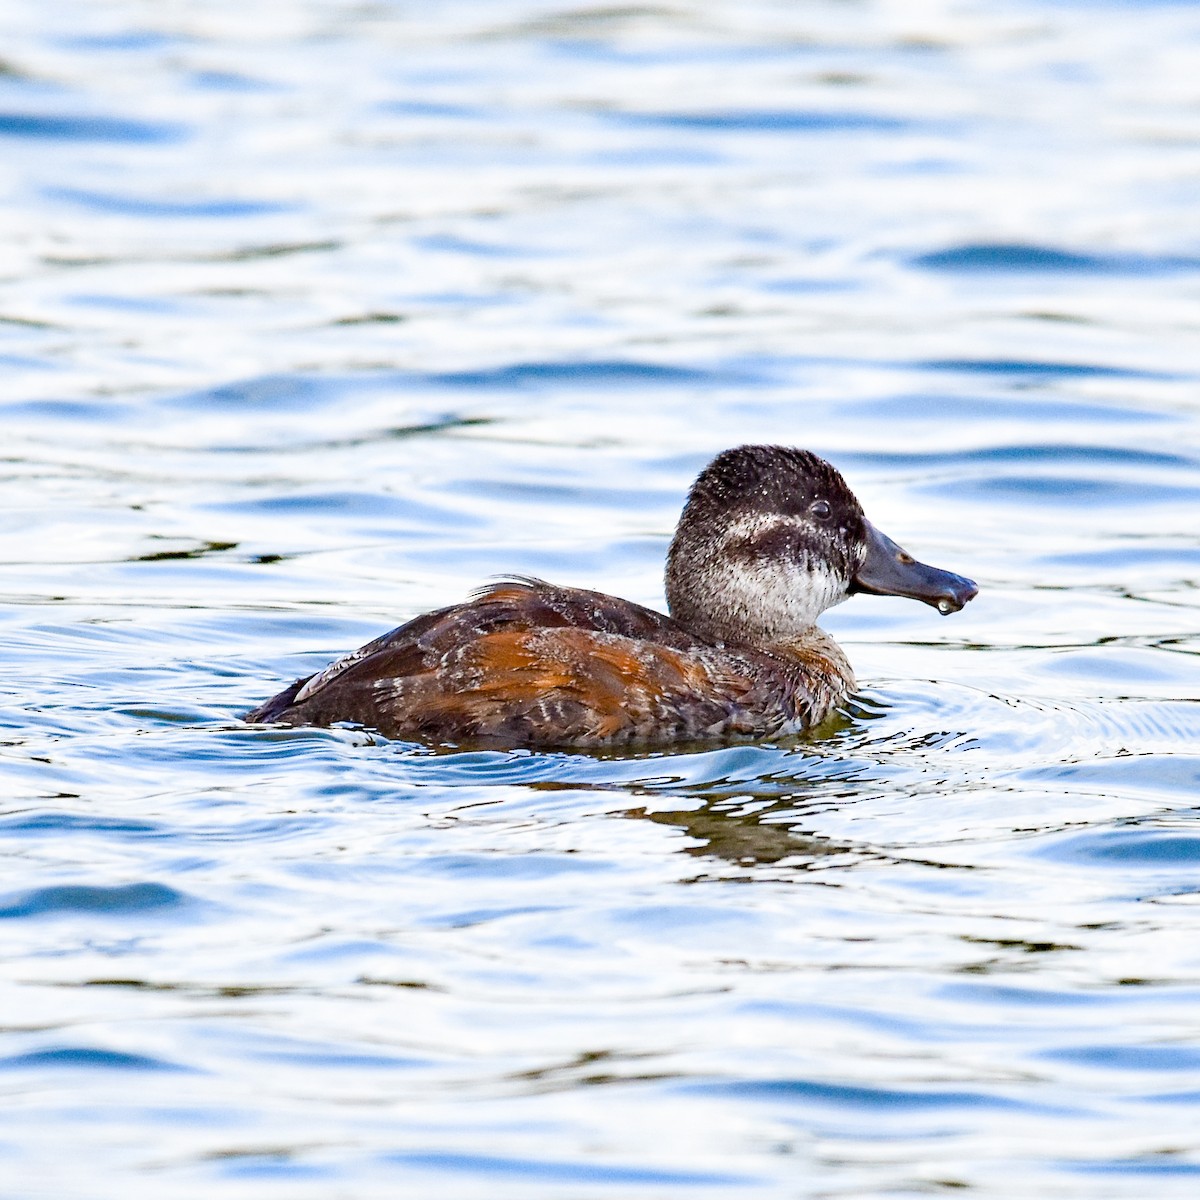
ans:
(803, 547)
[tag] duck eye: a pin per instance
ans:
(820, 510)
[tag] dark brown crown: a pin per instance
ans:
(770, 479)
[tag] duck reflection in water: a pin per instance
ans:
(770, 537)
(721, 830)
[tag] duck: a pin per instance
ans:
(770, 537)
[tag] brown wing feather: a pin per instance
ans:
(564, 686)
(534, 664)
(519, 604)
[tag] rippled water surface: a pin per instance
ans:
(315, 315)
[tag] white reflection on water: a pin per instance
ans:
(313, 316)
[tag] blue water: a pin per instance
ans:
(315, 315)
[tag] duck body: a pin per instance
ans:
(769, 538)
(527, 663)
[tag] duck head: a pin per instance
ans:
(770, 537)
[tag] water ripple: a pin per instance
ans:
(137, 206)
(767, 121)
(1018, 258)
(86, 127)
(879, 1101)
(121, 900)
(533, 1170)
(88, 1058)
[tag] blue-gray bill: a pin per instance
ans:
(888, 570)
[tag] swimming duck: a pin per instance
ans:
(770, 537)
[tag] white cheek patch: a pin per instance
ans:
(786, 597)
(774, 595)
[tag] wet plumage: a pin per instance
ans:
(769, 538)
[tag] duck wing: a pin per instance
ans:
(526, 661)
